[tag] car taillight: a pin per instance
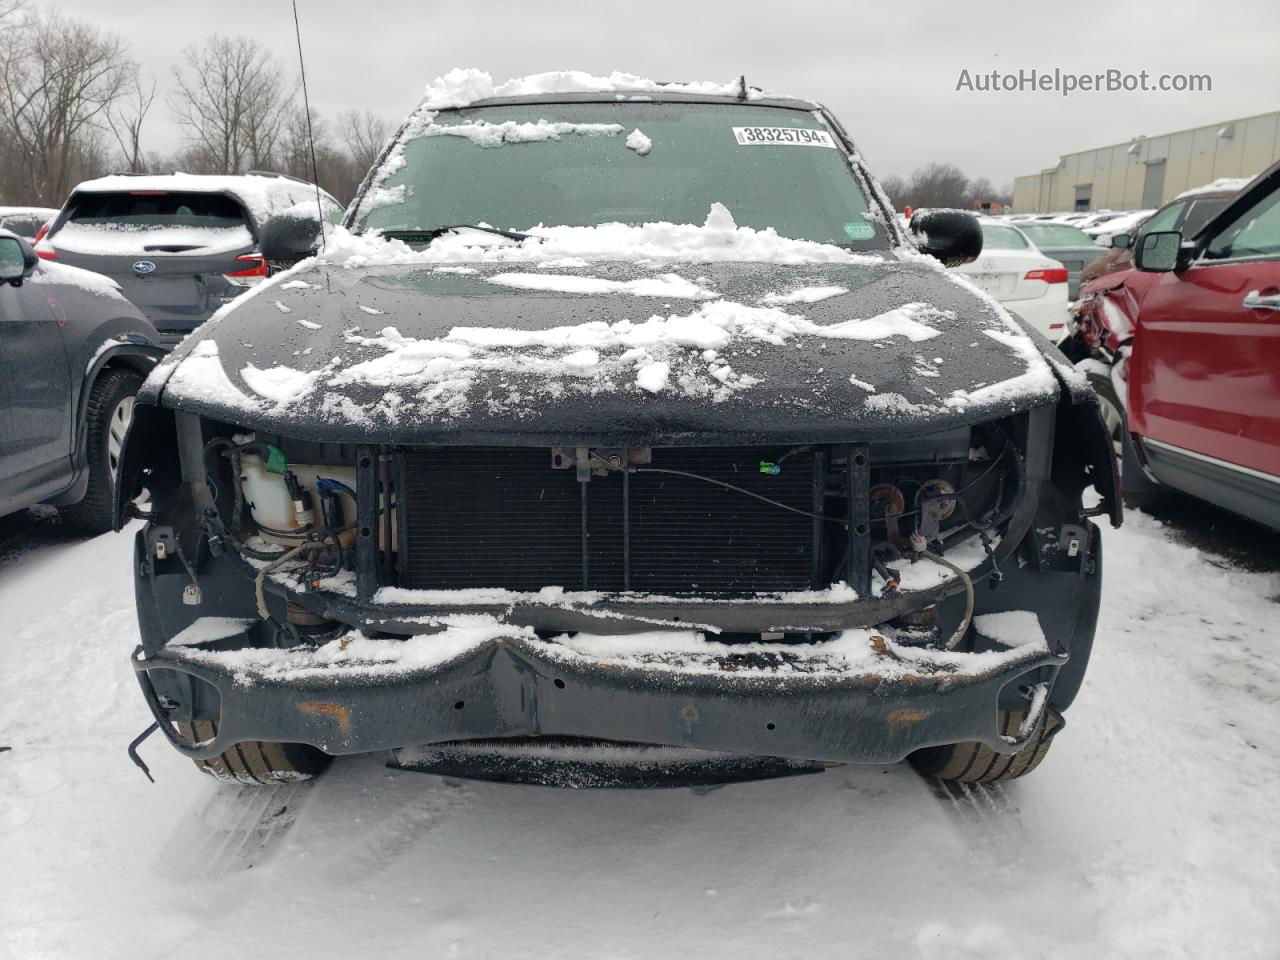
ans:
(1048, 276)
(46, 253)
(44, 228)
(255, 270)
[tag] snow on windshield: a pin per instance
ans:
(486, 134)
(718, 239)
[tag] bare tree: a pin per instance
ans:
(126, 120)
(229, 101)
(58, 78)
(364, 134)
(895, 188)
(938, 185)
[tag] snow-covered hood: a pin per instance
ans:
(608, 352)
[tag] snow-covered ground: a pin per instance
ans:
(1150, 831)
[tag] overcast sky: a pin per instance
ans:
(887, 68)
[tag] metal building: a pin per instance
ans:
(1148, 171)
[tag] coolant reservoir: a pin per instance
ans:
(266, 494)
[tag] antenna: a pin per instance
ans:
(311, 139)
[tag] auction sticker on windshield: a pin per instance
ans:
(782, 136)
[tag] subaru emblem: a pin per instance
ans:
(143, 267)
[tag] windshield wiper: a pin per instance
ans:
(426, 236)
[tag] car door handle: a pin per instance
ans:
(1256, 301)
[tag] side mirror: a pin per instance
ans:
(290, 237)
(951, 236)
(17, 260)
(1159, 252)
(1121, 241)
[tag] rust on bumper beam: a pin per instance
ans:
(519, 686)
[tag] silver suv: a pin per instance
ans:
(179, 245)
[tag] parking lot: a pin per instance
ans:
(615, 482)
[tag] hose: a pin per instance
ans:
(260, 581)
(968, 598)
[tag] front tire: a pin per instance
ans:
(972, 762)
(255, 762)
(110, 409)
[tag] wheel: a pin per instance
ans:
(255, 762)
(971, 762)
(109, 412)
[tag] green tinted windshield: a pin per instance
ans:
(581, 164)
(1056, 235)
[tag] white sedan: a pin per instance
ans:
(1023, 279)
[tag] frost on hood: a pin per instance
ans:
(666, 285)
(50, 272)
(435, 375)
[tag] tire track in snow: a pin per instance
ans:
(982, 810)
(240, 826)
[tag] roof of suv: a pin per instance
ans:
(641, 95)
(260, 193)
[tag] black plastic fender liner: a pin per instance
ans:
(148, 459)
(517, 686)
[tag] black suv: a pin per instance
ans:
(775, 486)
(73, 353)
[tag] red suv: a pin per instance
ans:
(1203, 379)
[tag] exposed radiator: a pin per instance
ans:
(503, 517)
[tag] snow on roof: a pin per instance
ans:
(463, 86)
(28, 211)
(262, 196)
(1120, 224)
(1221, 185)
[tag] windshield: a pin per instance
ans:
(995, 237)
(1056, 235)
(585, 164)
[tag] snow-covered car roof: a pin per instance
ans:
(28, 211)
(470, 87)
(1227, 186)
(263, 195)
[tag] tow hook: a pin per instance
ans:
(133, 750)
